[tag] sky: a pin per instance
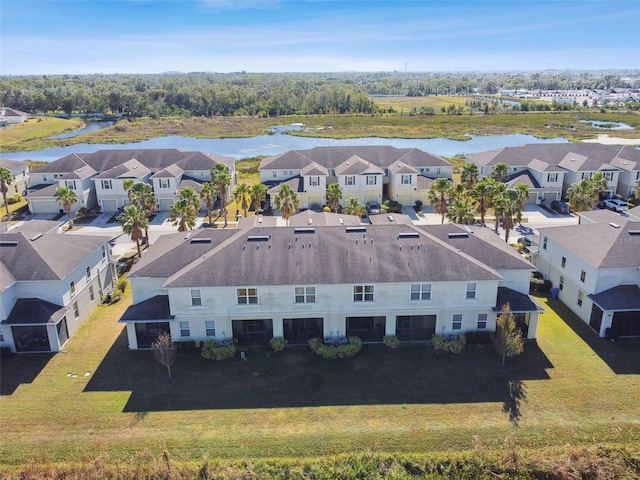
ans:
(144, 36)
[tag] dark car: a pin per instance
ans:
(526, 241)
(373, 208)
(560, 206)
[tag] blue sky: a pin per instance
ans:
(140, 36)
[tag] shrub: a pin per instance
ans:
(326, 208)
(212, 350)
(442, 344)
(418, 206)
(392, 206)
(540, 285)
(478, 338)
(81, 212)
(277, 344)
(349, 349)
(122, 285)
(15, 199)
(391, 341)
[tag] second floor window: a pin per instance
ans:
(314, 181)
(196, 298)
(165, 183)
(583, 275)
(552, 177)
(350, 180)
(563, 262)
(471, 290)
(70, 184)
(106, 184)
(421, 291)
(247, 296)
(305, 294)
(88, 272)
(72, 287)
(405, 179)
(363, 293)
(372, 180)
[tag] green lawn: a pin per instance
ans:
(28, 135)
(568, 389)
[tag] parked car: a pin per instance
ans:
(526, 241)
(560, 206)
(373, 208)
(616, 205)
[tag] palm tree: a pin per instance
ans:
(5, 180)
(600, 184)
(334, 195)
(481, 193)
(460, 210)
(523, 194)
(142, 195)
(353, 207)
(439, 196)
(258, 194)
(208, 194)
(127, 184)
(242, 197)
(221, 179)
(183, 214)
(636, 190)
(287, 202)
(500, 172)
(134, 221)
(458, 190)
(508, 208)
(582, 196)
(67, 199)
(497, 189)
(469, 175)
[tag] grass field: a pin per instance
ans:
(35, 130)
(569, 389)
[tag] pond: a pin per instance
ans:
(280, 142)
(90, 127)
(604, 125)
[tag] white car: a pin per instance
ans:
(616, 205)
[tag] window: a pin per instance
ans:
(274, 174)
(482, 321)
(371, 180)
(363, 293)
(580, 297)
(457, 321)
(350, 180)
(305, 294)
(314, 181)
(104, 252)
(44, 178)
(88, 272)
(247, 296)
(544, 243)
(563, 262)
(196, 297)
(471, 290)
(76, 312)
(184, 329)
(424, 170)
(164, 183)
(405, 179)
(552, 177)
(106, 184)
(70, 184)
(210, 328)
(583, 275)
(72, 287)
(1, 337)
(561, 286)
(421, 291)
(91, 294)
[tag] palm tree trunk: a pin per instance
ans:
(138, 245)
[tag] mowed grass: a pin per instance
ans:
(20, 136)
(405, 104)
(565, 392)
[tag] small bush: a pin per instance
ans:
(212, 350)
(15, 199)
(539, 285)
(122, 285)
(478, 338)
(392, 206)
(278, 344)
(81, 212)
(326, 208)
(418, 206)
(442, 344)
(391, 341)
(349, 349)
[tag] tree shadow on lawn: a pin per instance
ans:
(413, 374)
(17, 369)
(622, 356)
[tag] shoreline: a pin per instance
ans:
(605, 139)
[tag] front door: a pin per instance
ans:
(412, 328)
(369, 329)
(300, 330)
(253, 332)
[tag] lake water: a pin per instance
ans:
(280, 142)
(90, 127)
(603, 125)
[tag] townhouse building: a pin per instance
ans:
(19, 176)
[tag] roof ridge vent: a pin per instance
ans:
(408, 235)
(458, 235)
(304, 230)
(356, 230)
(200, 240)
(8, 243)
(633, 232)
(257, 238)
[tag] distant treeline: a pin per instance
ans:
(269, 95)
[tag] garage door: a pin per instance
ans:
(316, 202)
(165, 204)
(405, 200)
(109, 205)
(370, 198)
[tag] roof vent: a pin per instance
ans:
(260, 220)
(187, 235)
(341, 221)
(458, 235)
(614, 225)
(200, 240)
(35, 237)
(408, 235)
(634, 232)
(257, 238)
(8, 243)
(305, 230)
(310, 221)
(356, 229)
(390, 217)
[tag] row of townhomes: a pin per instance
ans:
(97, 178)
(329, 280)
(369, 173)
(550, 169)
(49, 284)
(596, 268)
(19, 176)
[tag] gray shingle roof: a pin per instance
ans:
(356, 166)
(518, 302)
(621, 297)
(33, 311)
(129, 169)
(322, 219)
(522, 177)
(68, 163)
(329, 255)
(11, 164)
(153, 309)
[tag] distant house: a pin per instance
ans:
(98, 178)
(327, 281)
(49, 284)
(370, 173)
(20, 176)
(11, 115)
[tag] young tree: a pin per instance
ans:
(461, 210)
(507, 339)
(500, 172)
(334, 195)
(508, 208)
(221, 179)
(242, 197)
(142, 195)
(353, 207)
(469, 175)
(67, 199)
(164, 351)
(184, 212)
(5, 180)
(481, 193)
(581, 196)
(439, 196)
(134, 221)
(600, 185)
(287, 202)
(258, 194)
(208, 194)
(127, 183)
